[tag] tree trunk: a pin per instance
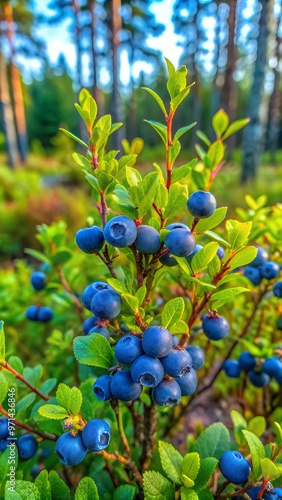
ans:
(253, 137)
(132, 118)
(96, 92)
(6, 111)
(116, 25)
(75, 7)
(275, 101)
(18, 101)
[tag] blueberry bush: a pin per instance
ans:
(159, 299)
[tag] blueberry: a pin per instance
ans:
(188, 383)
(232, 368)
(102, 388)
(89, 323)
(177, 225)
(215, 327)
(4, 431)
(197, 249)
(27, 446)
(247, 361)
(177, 362)
(157, 341)
(259, 378)
(120, 232)
(220, 252)
(38, 280)
(101, 330)
(273, 367)
(91, 290)
(197, 354)
(70, 449)
(260, 258)
(278, 492)
(277, 289)
(148, 240)
(32, 313)
(147, 371)
(278, 379)
(204, 316)
(234, 467)
(253, 274)
(201, 204)
(253, 494)
(123, 387)
(168, 260)
(175, 340)
(45, 314)
(106, 304)
(96, 435)
(180, 242)
(167, 393)
(269, 270)
(128, 349)
(4, 443)
(90, 239)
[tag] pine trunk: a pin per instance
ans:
(116, 110)
(275, 101)
(6, 112)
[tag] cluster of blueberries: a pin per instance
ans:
(270, 368)
(262, 268)
(26, 444)
(38, 313)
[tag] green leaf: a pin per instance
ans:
(188, 494)
(23, 490)
(141, 294)
(278, 433)
(203, 137)
(234, 127)
(143, 195)
(37, 255)
(83, 94)
(124, 492)
(82, 161)
(256, 450)
(190, 466)
(170, 67)
(119, 286)
(182, 172)
(215, 154)
(239, 424)
(243, 257)
(161, 197)
(177, 199)
(213, 441)
(86, 490)
(211, 222)
(205, 494)
(220, 298)
(171, 461)
(177, 100)
(269, 469)
(186, 268)
(133, 302)
(59, 489)
(179, 327)
(3, 388)
(43, 485)
(160, 128)
(218, 238)
(257, 425)
(207, 467)
(220, 122)
(101, 132)
(69, 134)
(115, 127)
(177, 82)
(182, 131)
(202, 258)
(172, 312)
(25, 402)
(93, 350)
(158, 99)
(157, 487)
(198, 179)
(2, 342)
(238, 235)
(54, 412)
(70, 399)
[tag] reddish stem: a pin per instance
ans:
(22, 379)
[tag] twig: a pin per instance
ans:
(115, 406)
(129, 463)
(47, 437)
(18, 376)
(150, 425)
(67, 287)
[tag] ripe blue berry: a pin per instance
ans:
(168, 260)
(188, 383)
(102, 388)
(260, 258)
(197, 354)
(177, 225)
(148, 240)
(175, 340)
(180, 242)
(253, 274)
(157, 341)
(4, 442)
(234, 467)
(70, 449)
(197, 249)
(177, 362)
(89, 323)
(45, 314)
(38, 280)
(269, 270)
(27, 446)
(232, 368)
(147, 371)
(273, 367)
(32, 313)
(277, 289)
(123, 387)
(128, 349)
(215, 327)
(253, 494)
(91, 290)
(278, 492)
(259, 378)
(167, 393)
(220, 252)
(90, 239)
(120, 232)
(106, 304)
(102, 330)
(201, 204)
(247, 361)
(4, 431)
(96, 435)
